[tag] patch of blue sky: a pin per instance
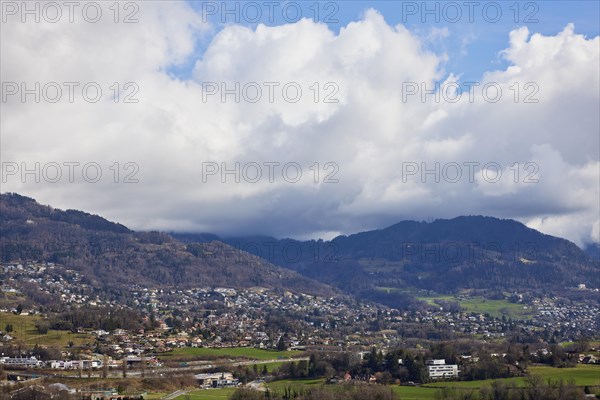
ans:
(471, 34)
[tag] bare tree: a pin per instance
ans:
(104, 366)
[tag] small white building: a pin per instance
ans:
(438, 369)
(75, 364)
(217, 380)
(60, 364)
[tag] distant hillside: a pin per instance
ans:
(472, 252)
(109, 254)
(593, 250)
(16, 209)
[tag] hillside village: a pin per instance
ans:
(233, 318)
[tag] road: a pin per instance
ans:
(197, 366)
(257, 385)
(229, 364)
(175, 395)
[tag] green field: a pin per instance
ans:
(208, 394)
(583, 375)
(414, 392)
(591, 343)
(191, 353)
(271, 366)
(155, 396)
(496, 308)
(404, 392)
(285, 383)
(24, 330)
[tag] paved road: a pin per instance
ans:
(175, 394)
(257, 385)
(117, 373)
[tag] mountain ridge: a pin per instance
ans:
(109, 254)
(445, 255)
(383, 265)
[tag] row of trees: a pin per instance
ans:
(97, 318)
(339, 392)
(535, 389)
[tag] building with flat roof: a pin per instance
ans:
(438, 369)
(217, 380)
(30, 362)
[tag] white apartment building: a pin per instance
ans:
(21, 362)
(438, 369)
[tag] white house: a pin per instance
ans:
(75, 364)
(217, 380)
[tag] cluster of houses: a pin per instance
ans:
(59, 391)
(237, 316)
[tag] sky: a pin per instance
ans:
(304, 119)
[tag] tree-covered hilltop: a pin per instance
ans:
(470, 252)
(109, 255)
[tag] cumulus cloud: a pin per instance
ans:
(522, 144)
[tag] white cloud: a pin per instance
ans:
(370, 133)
